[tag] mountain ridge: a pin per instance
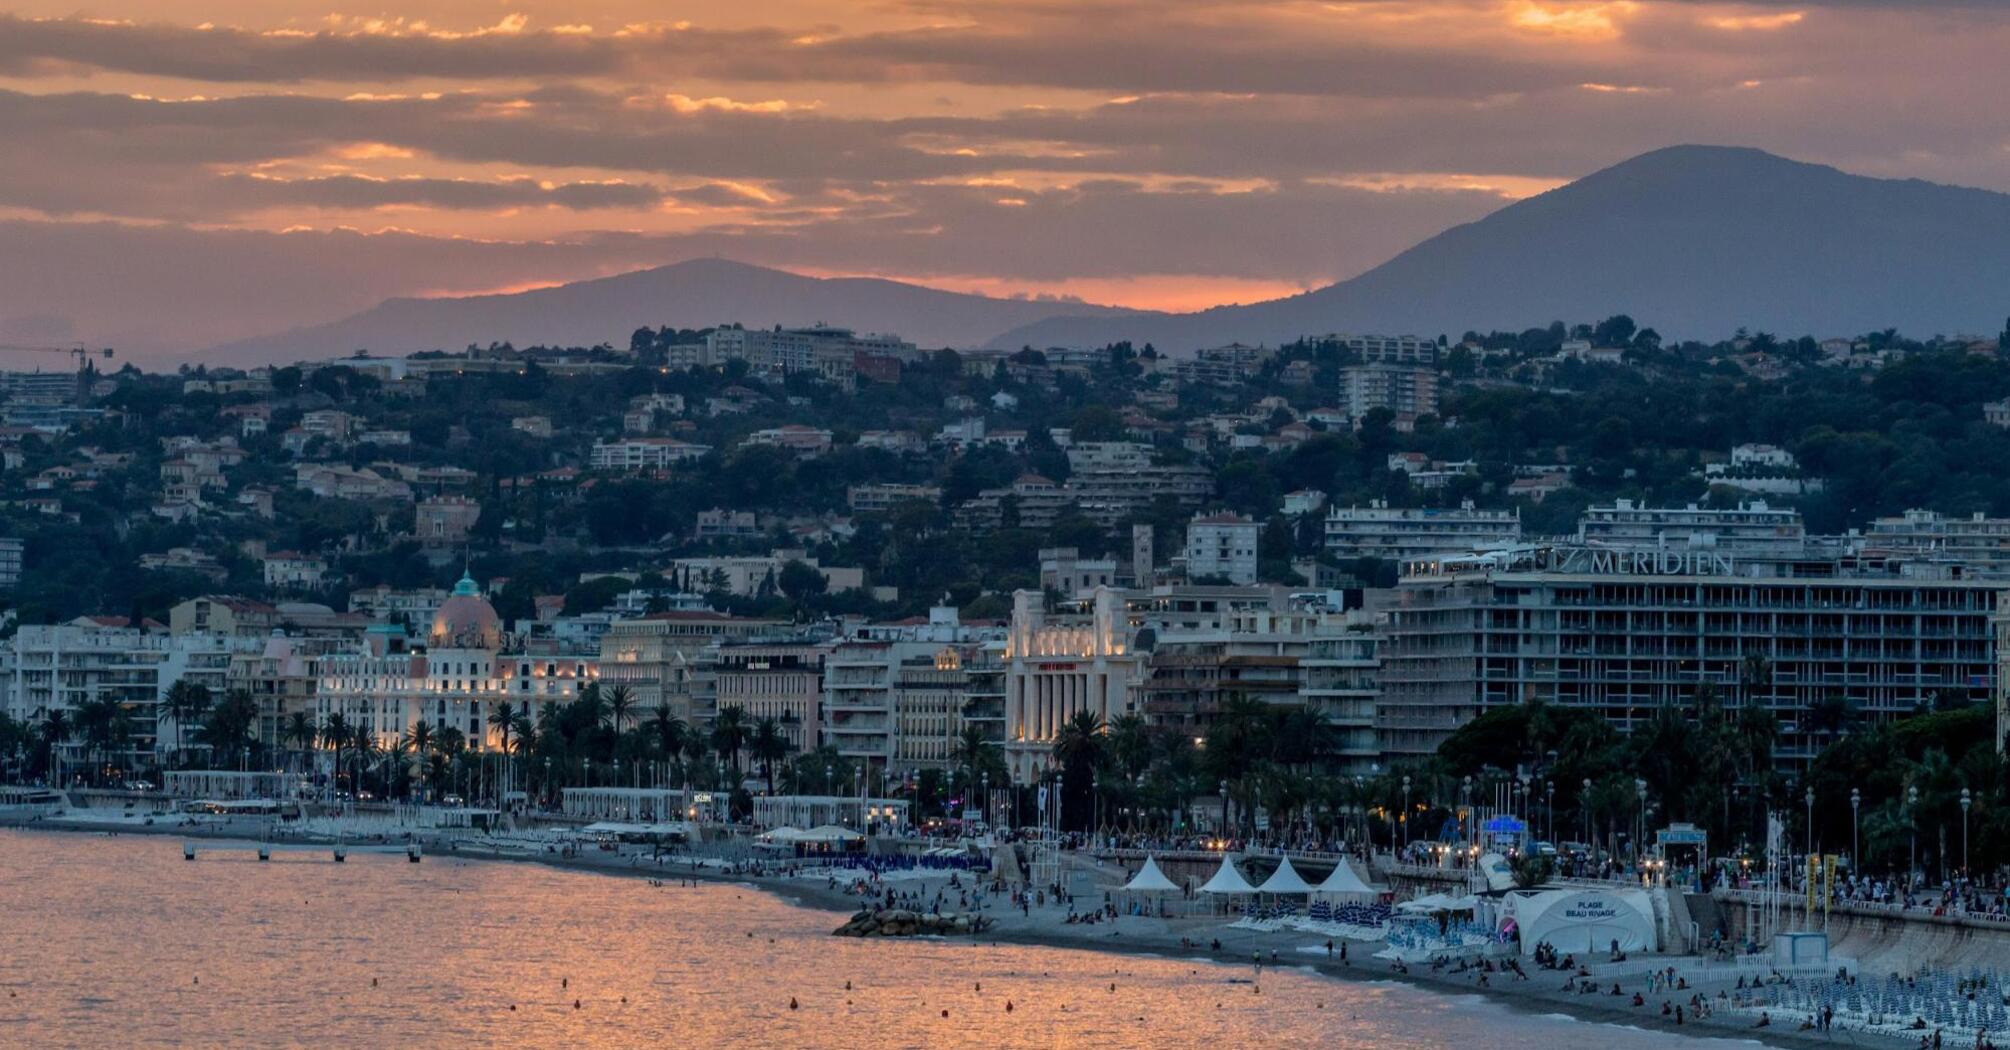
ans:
(694, 293)
(1714, 238)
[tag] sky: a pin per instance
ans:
(177, 174)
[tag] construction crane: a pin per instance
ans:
(83, 356)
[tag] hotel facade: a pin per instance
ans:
(1622, 632)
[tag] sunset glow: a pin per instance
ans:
(1217, 151)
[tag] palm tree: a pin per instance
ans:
(694, 754)
(56, 731)
(335, 736)
(768, 747)
(669, 731)
(93, 719)
(729, 735)
(621, 713)
(502, 719)
(185, 702)
(299, 732)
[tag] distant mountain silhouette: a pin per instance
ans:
(694, 294)
(1694, 240)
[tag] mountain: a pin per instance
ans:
(691, 294)
(1695, 241)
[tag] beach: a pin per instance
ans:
(1541, 993)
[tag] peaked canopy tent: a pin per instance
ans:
(1345, 886)
(1285, 880)
(1227, 880)
(1150, 879)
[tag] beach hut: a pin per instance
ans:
(1227, 881)
(1345, 887)
(1285, 882)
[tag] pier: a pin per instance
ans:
(338, 851)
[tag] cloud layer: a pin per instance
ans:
(1167, 155)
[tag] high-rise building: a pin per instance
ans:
(1622, 632)
(1056, 670)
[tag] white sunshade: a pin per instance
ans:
(1343, 883)
(782, 834)
(1150, 879)
(1285, 880)
(1227, 880)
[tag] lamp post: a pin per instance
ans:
(1966, 801)
(987, 799)
(1640, 803)
(1855, 826)
(1224, 808)
(1584, 810)
(1406, 811)
(1912, 821)
(1466, 795)
(1549, 809)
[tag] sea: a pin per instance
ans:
(117, 941)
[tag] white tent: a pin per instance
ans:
(1582, 920)
(831, 833)
(1285, 880)
(1344, 885)
(781, 836)
(1150, 879)
(1227, 880)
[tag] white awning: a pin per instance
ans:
(831, 833)
(1227, 880)
(1285, 880)
(1150, 879)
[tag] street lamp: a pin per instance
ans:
(1549, 808)
(1466, 795)
(1223, 826)
(1584, 810)
(1912, 820)
(1855, 801)
(1406, 811)
(1966, 801)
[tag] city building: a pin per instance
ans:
(1400, 533)
(778, 678)
(11, 562)
(1621, 632)
(1055, 670)
(658, 655)
(1408, 393)
(1222, 546)
(1749, 528)
(644, 453)
(1977, 543)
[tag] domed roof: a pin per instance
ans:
(466, 620)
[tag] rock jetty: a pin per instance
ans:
(900, 922)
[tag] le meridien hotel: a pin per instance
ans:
(1621, 631)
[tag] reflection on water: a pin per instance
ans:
(119, 942)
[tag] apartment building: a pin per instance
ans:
(1222, 546)
(1401, 533)
(1749, 528)
(1621, 632)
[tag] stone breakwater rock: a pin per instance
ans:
(900, 922)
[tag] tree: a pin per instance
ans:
(729, 735)
(799, 582)
(670, 732)
(185, 702)
(768, 747)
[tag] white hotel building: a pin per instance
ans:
(1621, 632)
(1055, 671)
(457, 680)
